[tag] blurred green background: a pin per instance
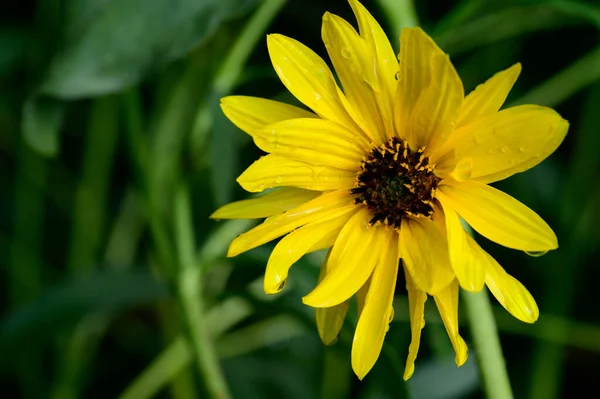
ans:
(113, 152)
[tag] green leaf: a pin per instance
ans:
(64, 305)
(504, 24)
(123, 40)
(41, 124)
(450, 381)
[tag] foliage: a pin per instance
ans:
(113, 152)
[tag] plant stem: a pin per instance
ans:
(400, 14)
(189, 288)
(487, 344)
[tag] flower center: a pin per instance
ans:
(396, 182)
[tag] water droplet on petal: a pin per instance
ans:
(346, 53)
(463, 169)
(391, 315)
(281, 286)
(278, 179)
(536, 254)
(522, 148)
(504, 149)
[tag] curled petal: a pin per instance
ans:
(374, 319)
(416, 303)
(330, 320)
(447, 304)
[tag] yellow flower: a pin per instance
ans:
(381, 172)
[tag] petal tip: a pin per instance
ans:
(234, 249)
(409, 370)
(274, 285)
(462, 354)
(360, 369)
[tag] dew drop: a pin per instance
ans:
(504, 149)
(536, 254)
(463, 170)
(278, 179)
(346, 53)
(281, 286)
(422, 323)
(522, 148)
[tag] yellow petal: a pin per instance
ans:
(424, 249)
(314, 141)
(272, 203)
(330, 320)
(251, 113)
(276, 171)
(374, 319)
(293, 246)
(361, 297)
(353, 63)
(509, 292)
(447, 304)
(429, 94)
(308, 78)
(488, 97)
(498, 216)
(385, 58)
(324, 207)
(352, 259)
(467, 266)
(416, 303)
(504, 143)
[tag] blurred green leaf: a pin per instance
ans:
(225, 142)
(124, 40)
(13, 43)
(42, 121)
(63, 306)
(504, 24)
(178, 355)
(565, 83)
(262, 334)
(450, 381)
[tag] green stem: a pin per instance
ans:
(400, 14)
(233, 65)
(189, 287)
(487, 344)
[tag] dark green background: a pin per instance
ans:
(109, 116)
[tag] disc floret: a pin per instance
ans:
(396, 182)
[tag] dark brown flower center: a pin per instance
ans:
(396, 182)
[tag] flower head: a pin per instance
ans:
(381, 171)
